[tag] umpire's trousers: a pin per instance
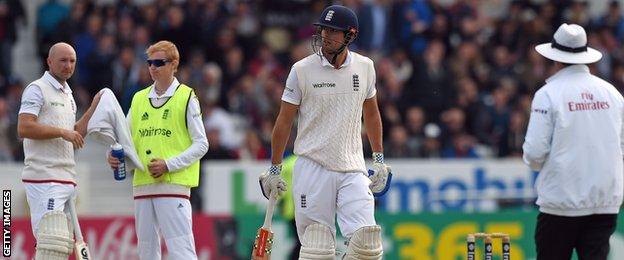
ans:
(557, 236)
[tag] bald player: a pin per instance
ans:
(47, 122)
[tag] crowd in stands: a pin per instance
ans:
(454, 78)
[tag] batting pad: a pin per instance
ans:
(318, 243)
(54, 240)
(365, 244)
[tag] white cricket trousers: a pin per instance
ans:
(171, 216)
(44, 197)
(321, 194)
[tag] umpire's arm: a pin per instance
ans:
(372, 122)
(537, 142)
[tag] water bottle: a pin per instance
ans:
(118, 152)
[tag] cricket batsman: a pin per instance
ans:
(332, 89)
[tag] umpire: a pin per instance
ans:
(574, 140)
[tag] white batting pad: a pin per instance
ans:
(54, 240)
(318, 243)
(365, 244)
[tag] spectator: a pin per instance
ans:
(11, 12)
(216, 151)
(125, 71)
(437, 56)
(49, 16)
(252, 148)
(218, 118)
(462, 146)
(5, 132)
(398, 144)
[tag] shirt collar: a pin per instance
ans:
(582, 68)
(49, 78)
(170, 90)
(326, 63)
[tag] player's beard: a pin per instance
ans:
(319, 43)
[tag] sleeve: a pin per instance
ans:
(622, 127)
(372, 79)
(129, 118)
(32, 100)
(537, 142)
(199, 147)
(292, 91)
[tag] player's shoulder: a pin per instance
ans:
(361, 59)
(186, 88)
(34, 87)
(141, 93)
(307, 61)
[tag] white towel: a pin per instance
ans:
(109, 125)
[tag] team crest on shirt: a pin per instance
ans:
(165, 114)
(51, 204)
(73, 105)
(356, 82)
(303, 201)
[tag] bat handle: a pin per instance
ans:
(269, 212)
(74, 217)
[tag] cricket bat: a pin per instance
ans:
(264, 237)
(81, 251)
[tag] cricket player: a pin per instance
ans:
(169, 136)
(47, 122)
(574, 140)
(331, 89)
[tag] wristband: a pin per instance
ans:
(275, 169)
(378, 157)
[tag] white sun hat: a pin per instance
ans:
(569, 45)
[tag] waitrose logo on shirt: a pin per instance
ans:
(151, 131)
(324, 85)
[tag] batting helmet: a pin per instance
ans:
(338, 17)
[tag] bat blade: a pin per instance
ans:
(264, 237)
(263, 245)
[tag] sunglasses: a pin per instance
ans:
(157, 63)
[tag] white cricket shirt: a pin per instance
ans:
(50, 160)
(330, 109)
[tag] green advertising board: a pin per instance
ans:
(430, 236)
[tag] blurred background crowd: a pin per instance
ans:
(454, 78)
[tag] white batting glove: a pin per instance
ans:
(272, 180)
(380, 175)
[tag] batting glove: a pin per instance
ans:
(272, 181)
(380, 175)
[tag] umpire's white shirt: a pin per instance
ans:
(574, 139)
(330, 109)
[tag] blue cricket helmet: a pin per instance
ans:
(338, 17)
